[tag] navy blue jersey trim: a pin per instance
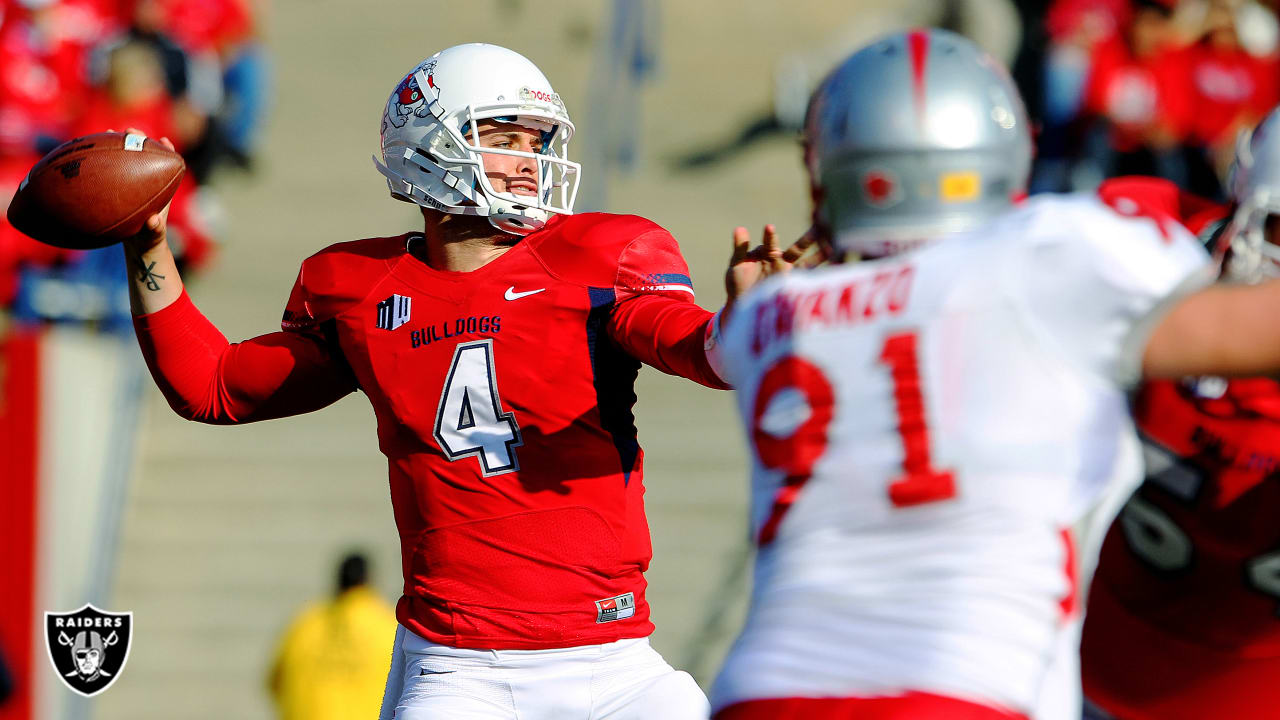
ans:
(669, 278)
(613, 374)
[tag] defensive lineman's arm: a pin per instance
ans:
(1230, 330)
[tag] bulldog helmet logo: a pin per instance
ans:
(410, 99)
(88, 647)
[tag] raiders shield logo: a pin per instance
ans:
(88, 647)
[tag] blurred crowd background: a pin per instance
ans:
(1115, 87)
(190, 70)
(1151, 87)
(683, 110)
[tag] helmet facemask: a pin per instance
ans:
(1252, 257)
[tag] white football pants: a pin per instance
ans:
(624, 680)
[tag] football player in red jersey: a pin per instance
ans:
(1182, 617)
(498, 348)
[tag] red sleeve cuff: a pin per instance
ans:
(177, 312)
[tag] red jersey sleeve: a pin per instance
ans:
(1161, 198)
(655, 319)
(209, 380)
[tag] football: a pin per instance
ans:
(96, 190)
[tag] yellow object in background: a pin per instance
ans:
(333, 660)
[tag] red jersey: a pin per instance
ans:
(1182, 619)
(1230, 89)
(1136, 94)
(503, 398)
(204, 26)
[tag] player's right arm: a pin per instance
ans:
(1228, 330)
(1128, 294)
(204, 377)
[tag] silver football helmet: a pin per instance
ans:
(1255, 188)
(916, 135)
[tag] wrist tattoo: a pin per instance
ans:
(148, 275)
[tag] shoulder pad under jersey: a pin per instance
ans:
(1156, 196)
(338, 277)
(586, 249)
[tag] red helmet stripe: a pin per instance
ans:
(918, 44)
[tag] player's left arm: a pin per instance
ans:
(661, 325)
(654, 316)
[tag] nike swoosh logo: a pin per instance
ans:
(511, 293)
(424, 671)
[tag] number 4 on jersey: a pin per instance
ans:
(471, 420)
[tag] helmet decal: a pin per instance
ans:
(530, 95)
(918, 41)
(880, 188)
(409, 98)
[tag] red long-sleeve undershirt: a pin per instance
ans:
(209, 380)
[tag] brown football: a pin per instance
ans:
(96, 190)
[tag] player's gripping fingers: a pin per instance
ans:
(741, 243)
(154, 230)
(135, 131)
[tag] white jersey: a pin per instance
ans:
(925, 430)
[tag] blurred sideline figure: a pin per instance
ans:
(941, 433)
(1182, 621)
(332, 660)
(514, 467)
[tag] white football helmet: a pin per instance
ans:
(1255, 188)
(431, 152)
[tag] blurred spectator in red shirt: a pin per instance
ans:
(1230, 89)
(1139, 108)
(134, 94)
(224, 69)
(1075, 28)
(1136, 86)
(218, 27)
(44, 49)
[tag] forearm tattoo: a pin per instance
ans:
(148, 275)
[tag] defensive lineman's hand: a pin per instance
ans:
(748, 266)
